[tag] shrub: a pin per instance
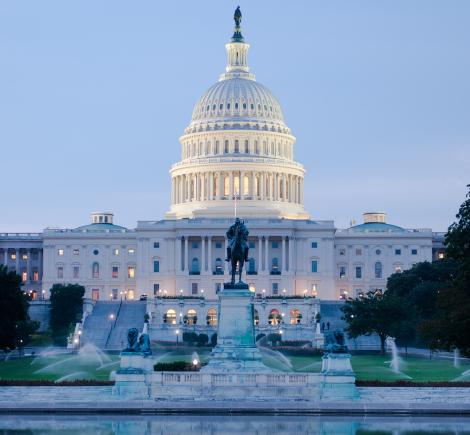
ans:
(274, 338)
(214, 339)
(202, 339)
(190, 337)
(295, 343)
(176, 366)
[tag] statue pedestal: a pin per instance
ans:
(131, 378)
(338, 381)
(236, 348)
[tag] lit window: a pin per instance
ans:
(156, 245)
(314, 245)
(156, 266)
(130, 294)
(59, 252)
(95, 294)
(397, 251)
(358, 272)
(13, 256)
(397, 269)
(76, 252)
(211, 318)
(131, 271)
(114, 293)
(275, 265)
(314, 290)
(115, 251)
(314, 266)
(115, 272)
(24, 276)
(440, 255)
(131, 251)
(76, 271)
(170, 317)
(24, 256)
(35, 275)
(60, 272)
(414, 252)
(358, 251)
(342, 271)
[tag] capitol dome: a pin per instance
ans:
(241, 101)
(237, 151)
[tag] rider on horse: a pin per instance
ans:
(238, 228)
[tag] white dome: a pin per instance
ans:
(239, 101)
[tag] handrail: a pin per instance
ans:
(113, 325)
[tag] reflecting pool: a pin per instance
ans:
(209, 424)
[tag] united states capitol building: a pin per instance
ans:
(237, 158)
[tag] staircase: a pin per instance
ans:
(99, 323)
(331, 312)
(131, 315)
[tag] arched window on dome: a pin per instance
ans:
(226, 147)
(256, 147)
(95, 268)
(200, 149)
(252, 106)
(192, 189)
(221, 106)
(246, 185)
(278, 149)
(217, 147)
(193, 152)
(226, 186)
(237, 147)
(228, 106)
(244, 106)
(259, 106)
(272, 148)
(265, 148)
(247, 148)
(236, 105)
(207, 148)
(213, 107)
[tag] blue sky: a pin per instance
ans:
(94, 96)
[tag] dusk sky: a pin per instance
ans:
(95, 94)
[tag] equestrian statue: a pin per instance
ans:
(237, 250)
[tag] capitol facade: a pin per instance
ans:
(237, 159)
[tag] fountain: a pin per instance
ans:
(396, 361)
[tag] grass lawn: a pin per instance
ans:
(93, 365)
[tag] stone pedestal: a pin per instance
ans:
(236, 348)
(131, 378)
(338, 381)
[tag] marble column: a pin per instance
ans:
(203, 254)
(283, 255)
(266, 254)
(179, 258)
(209, 254)
(186, 254)
(17, 261)
(28, 265)
(40, 265)
(260, 254)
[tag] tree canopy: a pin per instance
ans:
(66, 310)
(375, 312)
(15, 326)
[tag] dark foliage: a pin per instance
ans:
(176, 366)
(15, 326)
(66, 310)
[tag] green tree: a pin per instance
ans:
(376, 313)
(66, 310)
(14, 320)
(451, 328)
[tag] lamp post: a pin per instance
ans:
(177, 336)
